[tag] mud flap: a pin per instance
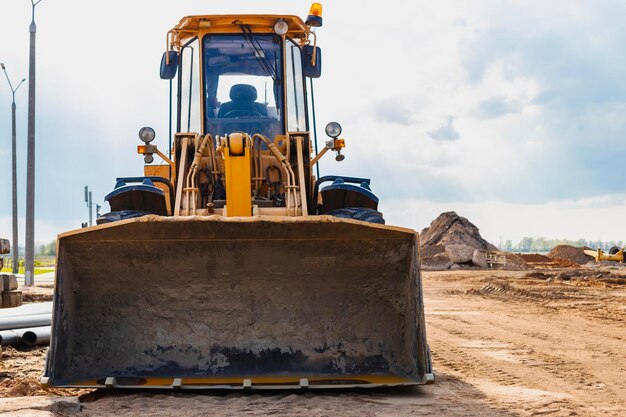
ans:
(259, 302)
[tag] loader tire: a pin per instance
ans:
(358, 213)
(116, 216)
(613, 250)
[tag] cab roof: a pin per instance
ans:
(192, 26)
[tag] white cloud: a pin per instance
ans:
(496, 107)
(446, 131)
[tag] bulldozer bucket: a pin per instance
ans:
(258, 302)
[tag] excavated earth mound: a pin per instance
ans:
(535, 257)
(515, 262)
(451, 229)
(535, 260)
(453, 242)
(570, 253)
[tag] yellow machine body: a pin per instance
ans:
(245, 283)
(238, 175)
(599, 255)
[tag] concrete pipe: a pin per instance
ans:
(22, 322)
(36, 336)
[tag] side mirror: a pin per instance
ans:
(308, 69)
(168, 71)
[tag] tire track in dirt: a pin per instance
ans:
(592, 300)
(501, 384)
(551, 340)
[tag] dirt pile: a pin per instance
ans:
(535, 260)
(21, 371)
(535, 257)
(451, 229)
(453, 242)
(580, 276)
(514, 262)
(570, 253)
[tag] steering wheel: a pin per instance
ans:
(243, 113)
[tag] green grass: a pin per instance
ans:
(42, 261)
(21, 270)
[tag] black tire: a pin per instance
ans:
(614, 250)
(358, 213)
(116, 216)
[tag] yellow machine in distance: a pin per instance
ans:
(232, 264)
(615, 254)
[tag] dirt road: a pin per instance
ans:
(528, 346)
(503, 344)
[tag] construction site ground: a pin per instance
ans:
(544, 342)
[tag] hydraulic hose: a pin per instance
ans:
(291, 183)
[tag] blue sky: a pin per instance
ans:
(508, 112)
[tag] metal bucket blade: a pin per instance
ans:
(211, 301)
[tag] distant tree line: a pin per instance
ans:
(46, 249)
(41, 249)
(540, 244)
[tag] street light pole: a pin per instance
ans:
(90, 205)
(15, 242)
(29, 259)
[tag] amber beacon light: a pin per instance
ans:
(315, 15)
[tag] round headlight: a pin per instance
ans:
(146, 134)
(281, 27)
(333, 129)
(148, 159)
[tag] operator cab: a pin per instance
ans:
(238, 76)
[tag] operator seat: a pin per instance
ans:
(243, 103)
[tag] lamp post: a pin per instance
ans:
(90, 205)
(14, 173)
(29, 258)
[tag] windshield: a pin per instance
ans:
(243, 84)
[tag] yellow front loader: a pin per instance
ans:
(233, 264)
(615, 254)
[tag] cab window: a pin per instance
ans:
(243, 84)
(189, 89)
(296, 106)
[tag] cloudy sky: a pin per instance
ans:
(509, 112)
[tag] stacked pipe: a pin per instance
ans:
(28, 325)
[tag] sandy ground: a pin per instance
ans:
(504, 344)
